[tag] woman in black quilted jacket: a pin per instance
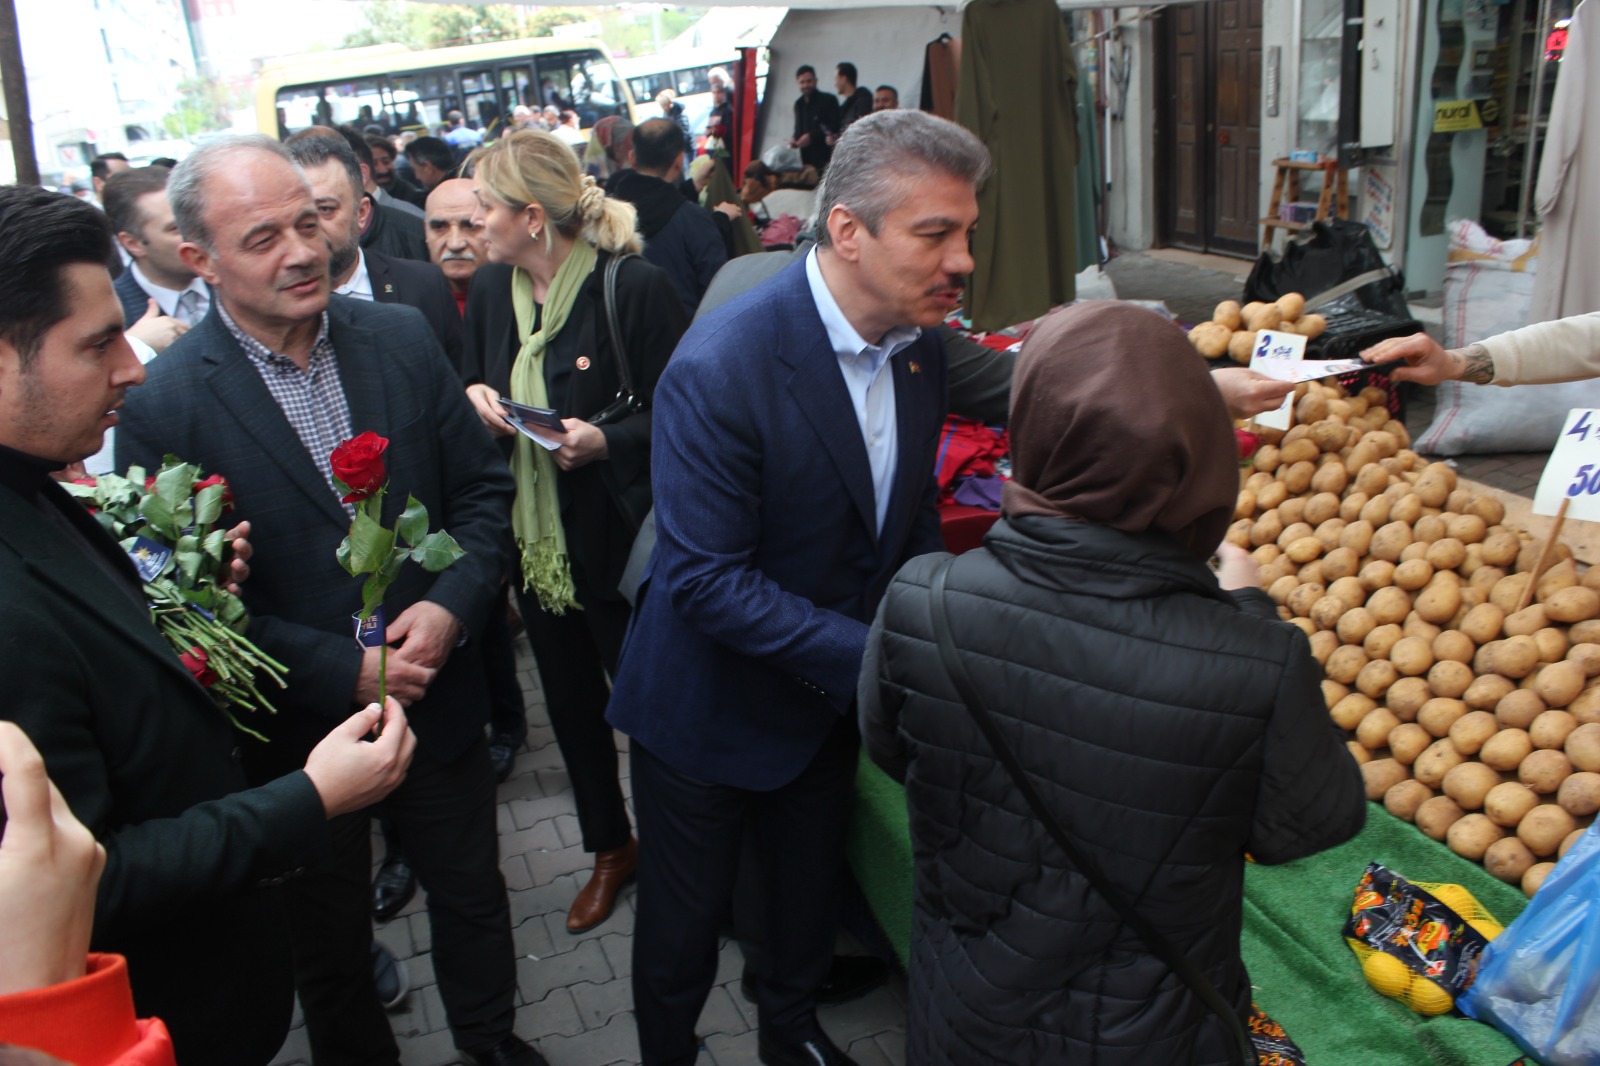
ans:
(1169, 720)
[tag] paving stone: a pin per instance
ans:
(432, 1049)
(556, 894)
(555, 1015)
(296, 1050)
(432, 1007)
(532, 938)
(420, 969)
(893, 1044)
(502, 820)
(395, 935)
(514, 868)
(541, 836)
(412, 1019)
(526, 813)
(722, 1014)
(737, 1050)
(421, 932)
(599, 1003)
(617, 1041)
(848, 1022)
(567, 826)
(546, 866)
(730, 962)
(554, 782)
(586, 962)
(867, 1052)
(619, 953)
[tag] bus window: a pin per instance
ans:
(480, 106)
(583, 82)
(352, 101)
(428, 96)
(299, 106)
(516, 88)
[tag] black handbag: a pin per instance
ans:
(1159, 945)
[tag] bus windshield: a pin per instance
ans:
(399, 90)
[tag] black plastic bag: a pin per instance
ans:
(1328, 253)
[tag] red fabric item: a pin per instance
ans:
(968, 449)
(964, 528)
(87, 1022)
(461, 302)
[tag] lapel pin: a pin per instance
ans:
(387, 288)
(583, 362)
(915, 367)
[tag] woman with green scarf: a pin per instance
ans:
(537, 334)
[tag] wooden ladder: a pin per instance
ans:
(1335, 196)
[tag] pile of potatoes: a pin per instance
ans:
(1478, 722)
(1231, 330)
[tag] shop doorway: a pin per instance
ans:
(1208, 126)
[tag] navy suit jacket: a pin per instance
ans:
(748, 636)
(204, 401)
(135, 301)
(423, 286)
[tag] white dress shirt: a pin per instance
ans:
(359, 285)
(171, 301)
(870, 381)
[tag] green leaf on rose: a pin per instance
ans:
(215, 544)
(189, 562)
(413, 523)
(370, 544)
(343, 555)
(158, 513)
(208, 504)
(174, 483)
(436, 551)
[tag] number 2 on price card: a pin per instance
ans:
(1573, 471)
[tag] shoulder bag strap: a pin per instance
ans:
(624, 371)
(1159, 945)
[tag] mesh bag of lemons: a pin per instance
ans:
(1418, 942)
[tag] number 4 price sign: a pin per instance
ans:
(1570, 484)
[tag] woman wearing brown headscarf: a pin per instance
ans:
(1168, 719)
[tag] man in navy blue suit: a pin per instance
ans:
(793, 452)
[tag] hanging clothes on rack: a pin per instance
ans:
(1017, 92)
(1569, 211)
(940, 63)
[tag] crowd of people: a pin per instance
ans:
(762, 435)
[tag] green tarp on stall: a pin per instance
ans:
(1304, 975)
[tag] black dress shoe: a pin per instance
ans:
(850, 977)
(503, 754)
(511, 1051)
(392, 888)
(817, 1051)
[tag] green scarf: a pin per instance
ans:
(536, 515)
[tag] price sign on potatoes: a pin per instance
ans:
(1272, 351)
(1573, 472)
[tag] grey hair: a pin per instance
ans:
(186, 186)
(877, 160)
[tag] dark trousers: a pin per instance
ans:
(507, 717)
(576, 651)
(444, 814)
(691, 834)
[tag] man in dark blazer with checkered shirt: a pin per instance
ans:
(274, 378)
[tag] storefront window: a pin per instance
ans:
(1320, 44)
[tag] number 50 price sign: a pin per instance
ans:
(1571, 480)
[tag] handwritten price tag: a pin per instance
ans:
(1272, 356)
(1573, 472)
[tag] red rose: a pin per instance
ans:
(358, 463)
(227, 494)
(89, 481)
(199, 665)
(1248, 443)
(150, 483)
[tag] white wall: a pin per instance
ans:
(885, 43)
(1130, 201)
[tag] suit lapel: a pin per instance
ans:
(385, 289)
(239, 388)
(361, 371)
(818, 388)
(911, 394)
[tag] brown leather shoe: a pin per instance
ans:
(612, 870)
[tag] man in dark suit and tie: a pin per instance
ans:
(142, 754)
(335, 177)
(261, 392)
(796, 432)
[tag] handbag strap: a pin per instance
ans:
(1163, 948)
(624, 372)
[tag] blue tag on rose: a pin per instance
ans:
(149, 558)
(369, 631)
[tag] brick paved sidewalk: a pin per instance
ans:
(574, 998)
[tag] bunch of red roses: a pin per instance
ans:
(169, 524)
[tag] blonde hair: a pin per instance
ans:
(533, 167)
